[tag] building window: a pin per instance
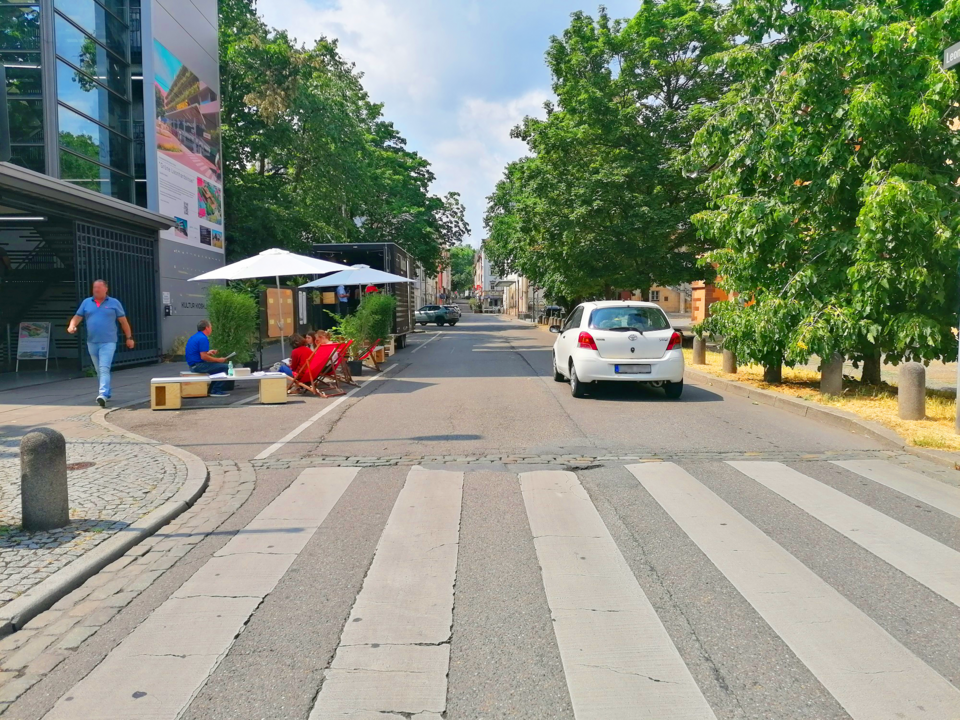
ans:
(93, 93)
(654, 296)
(20, 56)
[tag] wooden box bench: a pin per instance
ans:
(168, 393)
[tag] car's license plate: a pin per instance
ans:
(632, 369)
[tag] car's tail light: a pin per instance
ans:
(675, 341)
(586, 341)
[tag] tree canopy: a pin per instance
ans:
(307, 154)
(601, 204)
(832, 177)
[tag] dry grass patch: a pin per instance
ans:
(877, 403)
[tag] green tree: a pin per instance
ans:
(461, 267)
(306, 151)
(602, 203)
(831, 170)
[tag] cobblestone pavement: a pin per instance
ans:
(113, 480)
(575, 459)
(29, 654)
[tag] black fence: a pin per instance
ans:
(128, 263)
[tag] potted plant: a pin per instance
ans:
(234, 319)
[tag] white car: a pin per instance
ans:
(619, 341)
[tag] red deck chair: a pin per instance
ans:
(340, 372)
(368, 355)
(308, 374)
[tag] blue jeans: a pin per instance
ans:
(102, 356)
(285, 369)
(210, 368)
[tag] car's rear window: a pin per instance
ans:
(633, 318)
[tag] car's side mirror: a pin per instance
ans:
(555, 329)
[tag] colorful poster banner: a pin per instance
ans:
(189, 163)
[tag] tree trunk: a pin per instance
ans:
(773, 374)
(871, 368)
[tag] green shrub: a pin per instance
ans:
(377, 313)
(234, 319)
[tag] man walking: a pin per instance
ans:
(102, 313)
(202, 359)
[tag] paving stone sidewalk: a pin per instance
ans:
(29, 654)
(113, 480)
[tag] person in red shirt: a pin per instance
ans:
(371, 288)
(299, 357)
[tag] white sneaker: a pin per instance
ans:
(101, 401)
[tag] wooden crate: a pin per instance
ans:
(165, 396)
(273, 391)
(195, 389)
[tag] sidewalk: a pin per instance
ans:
(114, 480)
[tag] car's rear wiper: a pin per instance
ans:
(625, 329)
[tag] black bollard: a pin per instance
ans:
(43, 480)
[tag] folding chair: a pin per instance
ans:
(340, 370)
(368, 355)
(308, 374)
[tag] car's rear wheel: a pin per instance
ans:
(440, 323)
(673, 390)
(452, 323)
(423, 323)
(557, 375)
(577, 388)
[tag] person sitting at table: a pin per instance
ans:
(201, 359)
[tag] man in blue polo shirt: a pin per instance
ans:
(102, 313)
(200, 358)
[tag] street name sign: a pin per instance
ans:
(951, 56)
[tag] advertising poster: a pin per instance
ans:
(189, 164)
(33, 341)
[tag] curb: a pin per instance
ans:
(827, 415)
(44, 595)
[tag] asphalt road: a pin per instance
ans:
(748, 604)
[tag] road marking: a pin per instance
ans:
(394, 652)
(158, 669)
(303, 426)
(617, 657)
(913, 553)
(869, 673)
(920, 487)
(246, 400)
(424, 344)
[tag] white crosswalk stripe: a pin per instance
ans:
(617, 657)
(869, 673)
(394, 652)
(157, 669)
(913, 553)
(933, 492)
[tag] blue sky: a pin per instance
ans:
(167, 65)
(454, 75)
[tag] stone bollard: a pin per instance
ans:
(831, 375)
(43, 480)
(912, 391)
(729, 362)
(699, 350)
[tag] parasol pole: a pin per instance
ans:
(280, 320)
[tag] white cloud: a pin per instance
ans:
(431, 62)
(472, 160)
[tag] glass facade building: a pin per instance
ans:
(71, 96)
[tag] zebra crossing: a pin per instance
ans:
(620, 656)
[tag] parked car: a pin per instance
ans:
(436, 314)
(621, 342)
